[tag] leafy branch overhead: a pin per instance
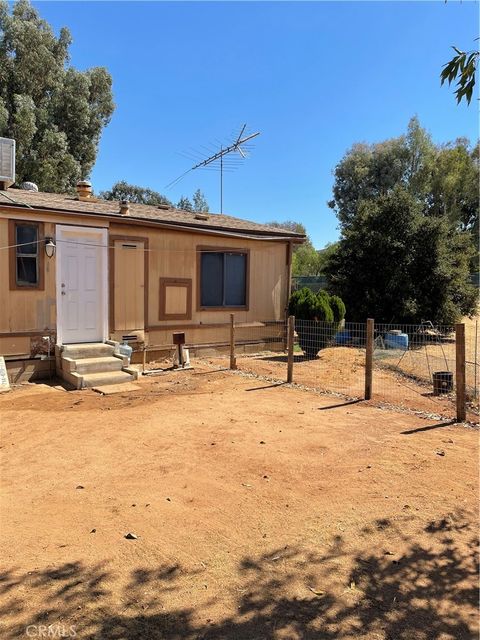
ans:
(462, 67)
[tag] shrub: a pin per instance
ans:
(318, 316)
(338, 308)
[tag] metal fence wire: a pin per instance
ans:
(413, 366)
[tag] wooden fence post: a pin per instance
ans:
(369, 359)
(290, 339)
(233, 360)
(460, 372)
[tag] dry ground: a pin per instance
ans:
(341, 370)
(400, 379)
(262, 512)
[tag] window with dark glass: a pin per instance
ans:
(27, 255)
(223, 279)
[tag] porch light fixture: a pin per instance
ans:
(50, 247)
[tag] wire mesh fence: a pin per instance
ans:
(330, 356)
(414, 367)
(472, 362)
(327, 357)
(250, 340)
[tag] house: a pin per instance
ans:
(78, 272)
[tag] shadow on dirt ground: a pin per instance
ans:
(427, 591)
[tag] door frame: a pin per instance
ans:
(102, 232)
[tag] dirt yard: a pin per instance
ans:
(401, 379)
(341, 370)
(261, 512)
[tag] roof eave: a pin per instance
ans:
(257, 234)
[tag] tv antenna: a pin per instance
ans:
(216, 160)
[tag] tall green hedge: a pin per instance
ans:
(318, 317)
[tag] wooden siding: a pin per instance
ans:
(170, 255)
(27, 309)
(173, 254)
(128, 301)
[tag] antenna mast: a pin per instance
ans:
(219, 156)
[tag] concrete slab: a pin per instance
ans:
(123, 387)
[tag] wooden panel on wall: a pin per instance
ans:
(175, 299)
(15, 346)
(128, 303)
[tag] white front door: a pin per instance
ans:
(82, 284)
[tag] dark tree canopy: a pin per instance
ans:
(122, 190)
(289, 225)
(132, 193)
(55, 113)
(408, 213)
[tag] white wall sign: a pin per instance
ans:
(4, 383)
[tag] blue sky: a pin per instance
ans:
(313, 77)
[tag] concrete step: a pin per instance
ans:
(113, 377)
(97, 365)
(87, 350)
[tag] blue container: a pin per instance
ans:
(394, 340)
(343, 337)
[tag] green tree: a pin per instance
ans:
(369, 171)
(454, 185)
(185, 204)
(305, 257)
(305, 260)
(396, 264)
(325, 255)
(200, 203)
(141, 195)
(289, 225)
(444, 178)
(55, 113)
(406, 259)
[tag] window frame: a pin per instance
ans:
(14, 284)
(246, 252)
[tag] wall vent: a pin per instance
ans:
(7, 162)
